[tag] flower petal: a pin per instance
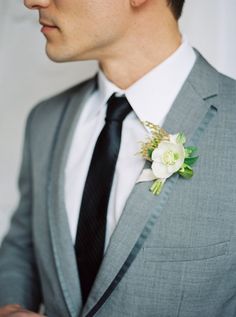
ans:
(173, 138)
(160, 170)
(146, 175)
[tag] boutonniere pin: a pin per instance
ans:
(168, 156)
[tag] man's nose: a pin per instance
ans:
(36, 4)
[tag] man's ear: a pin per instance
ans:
(137, 3)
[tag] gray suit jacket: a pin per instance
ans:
(170, 255)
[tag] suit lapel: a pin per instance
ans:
(191, 113)
(59, 229)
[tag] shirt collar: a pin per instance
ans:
(153, 94)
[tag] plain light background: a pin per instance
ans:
(27, 76)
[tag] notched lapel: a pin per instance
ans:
(191, 113)
(59, 228)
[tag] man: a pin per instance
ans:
(89, 238)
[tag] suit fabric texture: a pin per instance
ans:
(170, 255)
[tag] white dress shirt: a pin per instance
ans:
(151, 98)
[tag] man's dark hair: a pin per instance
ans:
(176, 7)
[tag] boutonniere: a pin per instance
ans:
(168, 156)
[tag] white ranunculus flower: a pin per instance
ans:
(167, 158)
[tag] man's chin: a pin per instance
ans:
(56, 56)
(62, 54)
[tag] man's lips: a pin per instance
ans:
(47, 26)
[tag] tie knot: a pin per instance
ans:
(118, 108)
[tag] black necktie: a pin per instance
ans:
(91, 230)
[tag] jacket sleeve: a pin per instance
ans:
(19, 280)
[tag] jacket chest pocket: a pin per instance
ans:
(181, 254)
(195, 274)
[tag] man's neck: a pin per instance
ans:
(131, 62)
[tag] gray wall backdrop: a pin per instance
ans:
(27, 76)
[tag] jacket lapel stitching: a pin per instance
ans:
(53, 235)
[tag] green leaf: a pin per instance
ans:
(190, 150)
(149, 151)
(190, 160)
(185, 171)
(181, 139)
